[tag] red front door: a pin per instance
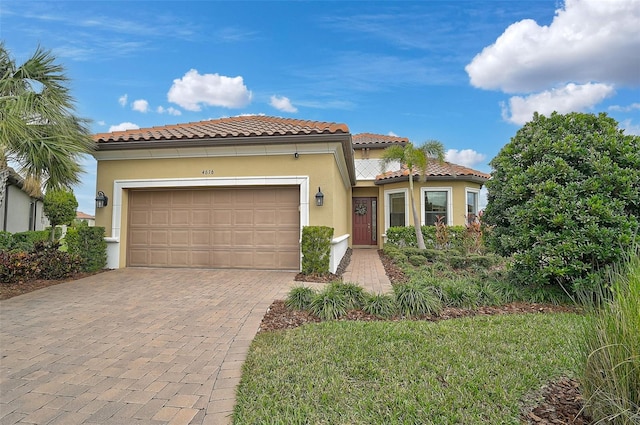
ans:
(364, 221)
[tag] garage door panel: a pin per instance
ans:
(159, 237)
(242, 238)
(179, 238)
(201, 238)
(180, 217)
(159, 218)
(200, 217)
(255, 228)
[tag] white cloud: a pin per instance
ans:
(588, 41)
(170, 110)
(282, 103)
(392, 134)
(140, 105)
(101, 123)
(571, 98)
(122, 100)
(193, 90)
(466, 157)
(629, 108)
(124, 126)
(630, 128)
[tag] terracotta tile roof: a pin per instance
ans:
(376, 139)
(444, 170)
(241, 126)
(80, 215)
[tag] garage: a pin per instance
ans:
(221, 227)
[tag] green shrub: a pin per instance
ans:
(354, 294)
(458, 293)
(316, 249)
(406, 237)
(380, 305)
(25, 241)
(330, 303)
(611, 348)
(564, 198)
(417, 260)
(6, 240)
(88, 243)
(60, 207)
(471, 260)
(299, 298)
(45, 261)
(415, 299)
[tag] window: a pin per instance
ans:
(396, 208)
(472, 205)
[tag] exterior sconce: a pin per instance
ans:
(296, 155)
(101, 200)
(319, 198)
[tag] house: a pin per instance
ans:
(236, 192)
(19, 211)
(85, 218)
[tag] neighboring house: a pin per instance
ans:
(19, 211)
(236, 192)
(85, 218)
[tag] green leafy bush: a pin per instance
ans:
(330, 303)
(611, 347)
(564, 198)
(300, 297)
(380, 305)
(416, 299)
(316, 249)
(89, 245)
(354, 294)
(60, 206)
(406, 237)
(45, 261)
(6, 240)
(417, 260)
(25, 241)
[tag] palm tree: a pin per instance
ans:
(416, 159)
(39, 132)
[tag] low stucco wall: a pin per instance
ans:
(339, 247)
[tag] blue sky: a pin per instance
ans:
(466, 73)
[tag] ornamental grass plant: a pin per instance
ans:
(611, 347)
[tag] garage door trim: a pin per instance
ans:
(120, 185)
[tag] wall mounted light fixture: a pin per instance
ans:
(319, 198)
(296, 155)
(102, 200)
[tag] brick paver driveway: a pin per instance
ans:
(132, 346)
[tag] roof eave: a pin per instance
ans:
(470, 178)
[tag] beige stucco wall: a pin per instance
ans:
(321, 169)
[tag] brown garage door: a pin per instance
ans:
(253, 228)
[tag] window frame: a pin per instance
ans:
(468, 190)
(449, 191)
(387, 206)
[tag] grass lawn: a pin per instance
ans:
(465, 371)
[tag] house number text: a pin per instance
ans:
(207, 172)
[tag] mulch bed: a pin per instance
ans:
(10, 290)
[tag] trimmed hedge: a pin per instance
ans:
(316, 249)
(406, 236)
(89, 245)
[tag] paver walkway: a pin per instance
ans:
(366, 269)
(132, 346)
(140, 346)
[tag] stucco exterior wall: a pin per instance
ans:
(17, 213)
(316, 169)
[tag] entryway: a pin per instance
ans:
(365, 219)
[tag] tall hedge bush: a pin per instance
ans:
(88, 243)
(316, 249)
(564, 198)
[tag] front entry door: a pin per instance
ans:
(364, 221)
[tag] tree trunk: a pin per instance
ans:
(416, 219)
